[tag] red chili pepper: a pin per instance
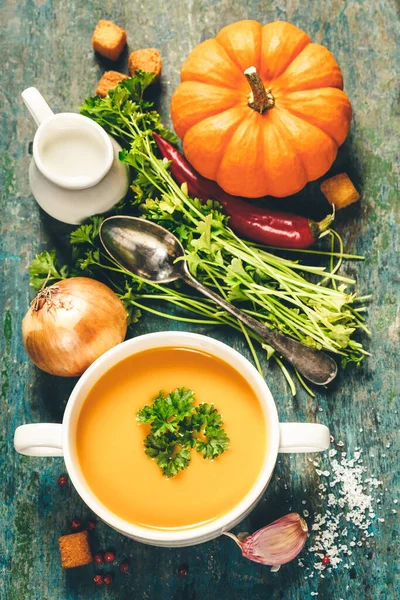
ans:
(263, 225)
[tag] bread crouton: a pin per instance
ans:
(109, 80)
(75, 550)
(108, 39)
(147, 59)
(340, 191)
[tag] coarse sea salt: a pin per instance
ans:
(344, 513)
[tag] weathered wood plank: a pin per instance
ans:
(47, 44)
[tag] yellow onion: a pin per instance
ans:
(277, 543)
(71, 323)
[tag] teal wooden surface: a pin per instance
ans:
(46, 43)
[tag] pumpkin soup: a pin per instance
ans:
(110, 440)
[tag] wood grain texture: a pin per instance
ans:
(46, 43)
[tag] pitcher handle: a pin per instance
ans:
(36, 105)
(303, 437)
(39, 439)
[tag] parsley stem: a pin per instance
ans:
(308, 251)
(286, 375)
(252, 349)
(303, 383)
(173, 317)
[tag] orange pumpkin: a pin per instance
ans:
(261, 109)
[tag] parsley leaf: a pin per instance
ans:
(45, 268)
(136, 85)
(215, 443)
(173, 462)
(206, 415)
(156, 445)
(170, 453)
(207, 421)
(87, 233)
(167, 412)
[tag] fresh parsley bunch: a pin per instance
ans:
(177, 426)
(270, 288)
(308, 303)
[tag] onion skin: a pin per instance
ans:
(71, 323)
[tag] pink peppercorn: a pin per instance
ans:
(124, 566)
(182, 570)
(98, 558)
(91, 525)
(109, 556)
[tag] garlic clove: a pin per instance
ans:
(277, 543)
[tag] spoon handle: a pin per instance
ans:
(314, 365)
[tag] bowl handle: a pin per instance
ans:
(39, 439)
(303, 437)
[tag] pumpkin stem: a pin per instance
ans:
(260, 99)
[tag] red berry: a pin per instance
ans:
(183, 570)
(98, 558)
(76, 524)
(108, 579)
(98, 579)
(91, 525)
(124, 566)
(62, 480)
(326, 561)
(109, 556)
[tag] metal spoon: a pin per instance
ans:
(150, 251)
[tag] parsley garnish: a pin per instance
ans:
(177, 426)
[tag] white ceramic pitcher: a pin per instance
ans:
(75, 172)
